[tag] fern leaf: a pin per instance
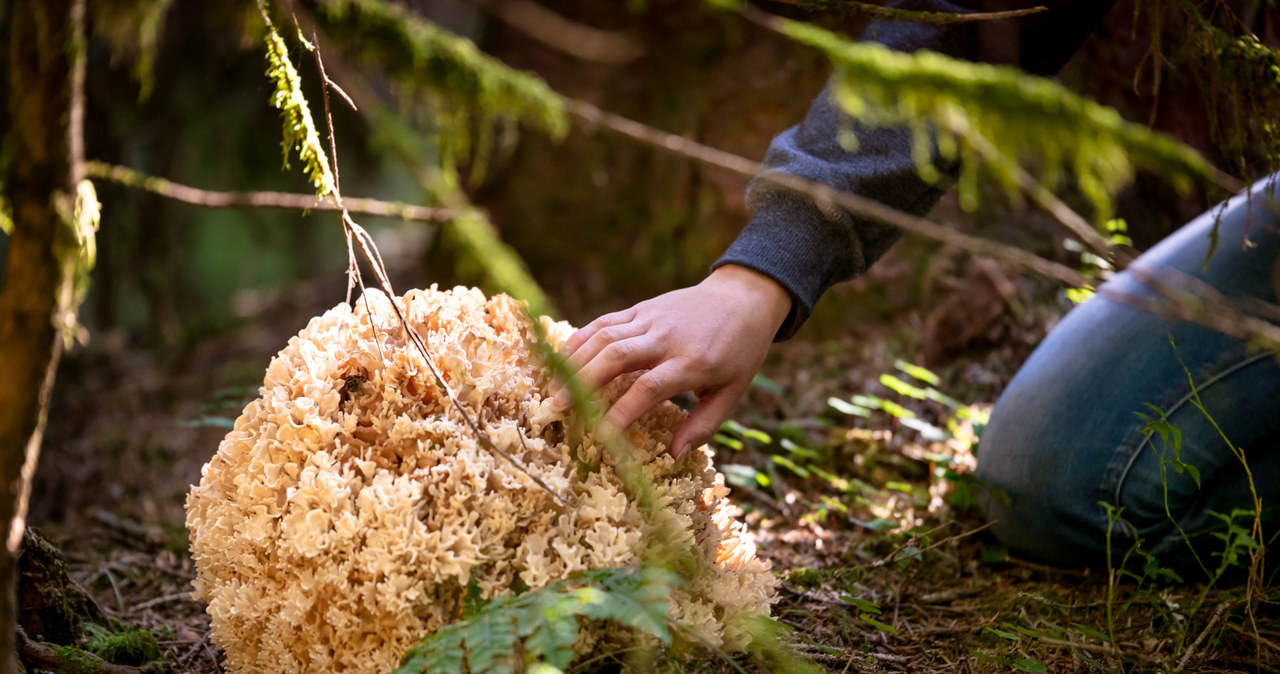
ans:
(639, 600)
(439, 652)
(549, 625)
(490, 639)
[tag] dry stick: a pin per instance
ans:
(1221, 317)
(823, 195)
(128, 177)
(1204, 634)
(374, 258)
(963, 534)
(918, 17)
(1093, 648)
(168, 598)
(422, 349)
(559, 33)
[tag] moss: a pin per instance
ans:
(804, 579)
(996, 120)
(129, 646)
(76, 661)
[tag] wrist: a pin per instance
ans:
(765, 294)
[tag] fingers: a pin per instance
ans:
(705, 419)
(580, 337)
(648, 390)
(615, 359)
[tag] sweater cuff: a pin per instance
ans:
(791, 260)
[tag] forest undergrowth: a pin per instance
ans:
(852, 464)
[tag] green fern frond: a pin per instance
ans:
(470, 96)
(299, 127)
(1029, 121)
(544, 624)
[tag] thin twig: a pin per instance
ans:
(823, 195)
(560, 33)
(166, 599)
(1078, 645)
(908, 15)
(1204, 634)
(302, 202)
(893, 556)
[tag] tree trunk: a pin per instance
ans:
(39, 183)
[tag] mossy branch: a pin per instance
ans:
(468, 93)
(1035, 122)
(299, 127)
(128, 177)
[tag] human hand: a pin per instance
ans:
(710, 339)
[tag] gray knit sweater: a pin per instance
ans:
(790, 240)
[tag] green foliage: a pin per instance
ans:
(76, 661)
(130, 646)
(540, 627)
(476, 236)
(467, 93)
(995, 120)
(299, 127)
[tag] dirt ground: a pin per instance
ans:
(886, 567)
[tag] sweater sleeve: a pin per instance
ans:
(806, 249)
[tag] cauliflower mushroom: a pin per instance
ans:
(348, 510)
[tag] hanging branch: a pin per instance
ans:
(195, 196)
(895, 14)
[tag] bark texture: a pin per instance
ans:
(37, 177)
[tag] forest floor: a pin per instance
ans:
(859, 494)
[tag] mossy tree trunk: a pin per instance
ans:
(39, 181)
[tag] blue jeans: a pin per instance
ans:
(1066, 437)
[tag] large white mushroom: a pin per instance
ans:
(344, 516)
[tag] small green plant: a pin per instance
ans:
(128, 646)
(536, 630)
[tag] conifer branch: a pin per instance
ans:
(195, 196)
(895, 14)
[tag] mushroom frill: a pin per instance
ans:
(351, 507)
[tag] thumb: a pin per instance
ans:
(705, 420)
